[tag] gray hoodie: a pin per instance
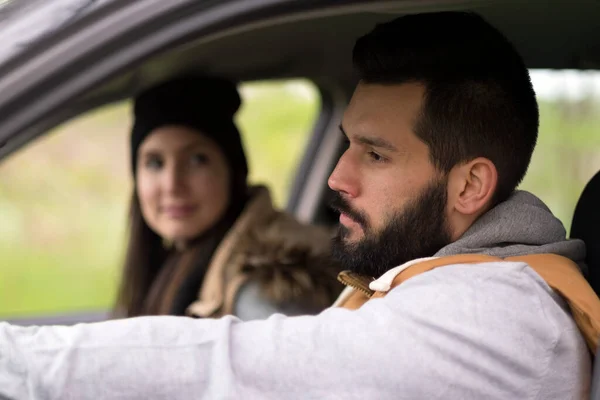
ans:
(492, 330)
(521, 225)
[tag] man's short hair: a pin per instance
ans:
(479, 100)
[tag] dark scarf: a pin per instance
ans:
(178, 282)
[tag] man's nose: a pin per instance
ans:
(345, 178)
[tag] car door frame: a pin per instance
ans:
(48, 75)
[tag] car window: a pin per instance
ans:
(567, 154)
(64, 198)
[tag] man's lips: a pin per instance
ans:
(346, 220)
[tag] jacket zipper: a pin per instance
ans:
(356, 281)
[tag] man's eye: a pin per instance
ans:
(375, 157)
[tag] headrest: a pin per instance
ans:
(586, 226)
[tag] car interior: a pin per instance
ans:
(120, 48)
(265, 41)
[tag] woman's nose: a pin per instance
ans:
(174, 179)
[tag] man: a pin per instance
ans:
(441, 129)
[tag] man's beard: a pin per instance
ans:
(419, 230)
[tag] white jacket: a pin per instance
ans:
(488, 331)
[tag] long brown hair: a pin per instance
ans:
(145, 256)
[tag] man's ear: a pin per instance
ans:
(472, 186)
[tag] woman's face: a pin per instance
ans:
(183, 182)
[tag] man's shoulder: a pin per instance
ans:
(492, 316)
(512, 274)
(504, 299)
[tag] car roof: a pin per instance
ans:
(279, 39)
(318, 44)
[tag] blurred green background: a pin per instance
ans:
(63, 199)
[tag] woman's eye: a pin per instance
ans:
(154, 163)
(199, 159)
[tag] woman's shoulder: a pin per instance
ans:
(287, 263)
(270, 261)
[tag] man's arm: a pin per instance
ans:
(181, 358)
(454, 332)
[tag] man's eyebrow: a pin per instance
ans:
(372, 141)
(343, 131)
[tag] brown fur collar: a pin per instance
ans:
(289, 260)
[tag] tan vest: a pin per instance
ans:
(560, 273)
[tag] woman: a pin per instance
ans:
(202, 243)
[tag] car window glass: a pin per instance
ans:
(567, 154)
(64, 198)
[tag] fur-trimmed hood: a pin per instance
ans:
(287, 260)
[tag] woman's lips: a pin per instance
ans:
(177, 212)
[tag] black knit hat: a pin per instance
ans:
(204, 103)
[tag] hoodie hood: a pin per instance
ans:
(521, 225)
